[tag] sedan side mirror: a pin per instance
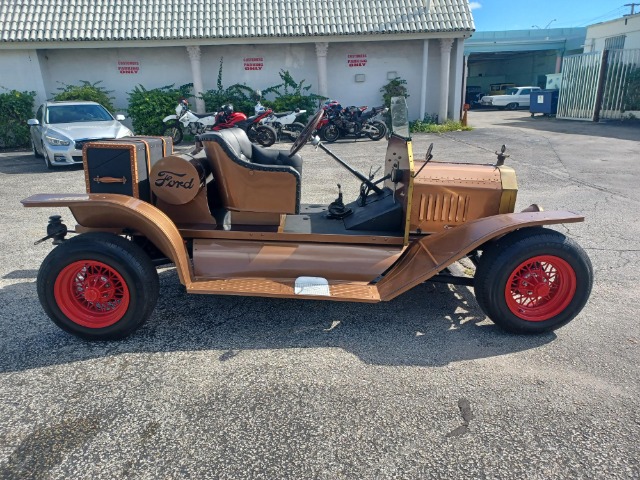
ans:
(120, 117)
(33, 122)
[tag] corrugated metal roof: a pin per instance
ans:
(90, 20)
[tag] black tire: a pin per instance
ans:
(511, 106)
(35, 150)
(330, 133)
(382, 131)
(296, 128)
(557, 280)
(175, 132)
(265, 135)
(112, 266)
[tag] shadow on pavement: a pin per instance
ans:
(628, 130)
(431, 325)
(19, 163)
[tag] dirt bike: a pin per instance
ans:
(352, 122)
(186, 120)
(284, 123)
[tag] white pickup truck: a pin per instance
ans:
(513, 98)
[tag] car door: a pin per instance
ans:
(36, 130)
(523, 97)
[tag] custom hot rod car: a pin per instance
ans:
(231, 221)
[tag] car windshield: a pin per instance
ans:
(77, 113)
(511, 91)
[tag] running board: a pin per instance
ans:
(261, 287)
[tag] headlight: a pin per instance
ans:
(125, 133)
(58, 142)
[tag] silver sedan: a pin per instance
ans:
(61, 129)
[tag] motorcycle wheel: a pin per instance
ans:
(265, 135)
(330, 133)
(175, 132)
(295, 129)
(382, 131)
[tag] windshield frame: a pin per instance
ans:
(106, 115)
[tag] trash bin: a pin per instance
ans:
(544, 101)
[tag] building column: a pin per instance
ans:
(196, 73)
(425, 70)
(457, 70)
(465, 75)
(321, 55)
(445, 65)
(558, 61)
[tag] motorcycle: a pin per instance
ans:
(186, 120)
(352, 121)
(284, 123)
(263, 135)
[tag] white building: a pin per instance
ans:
(346, 49)
(615, 34)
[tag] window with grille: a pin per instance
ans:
(614, 43)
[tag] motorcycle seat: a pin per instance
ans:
(282, 114)
(202, 115)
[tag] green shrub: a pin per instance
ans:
(147, 108)
(87, 91)
(15, 109)
(241, 96)
(395, 88)
(430, 125)
(290, 95)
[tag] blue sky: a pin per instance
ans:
(518, 15)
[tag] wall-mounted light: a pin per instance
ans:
(392, 75)
(360, 77)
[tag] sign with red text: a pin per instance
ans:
(128, 67)
(356, 59)
(253, 63)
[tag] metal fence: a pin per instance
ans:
(600, 85)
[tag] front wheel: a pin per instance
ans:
(381, 128)
(533, 280)
(175, 132)
(98, 286)
(511, 106)
(265, 135)
(330, 132)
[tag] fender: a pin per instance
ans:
(170, 117)
(426, 257)
(111, 211)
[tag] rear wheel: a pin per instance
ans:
(295, 129)
(265, 135)
(511, 106)
(533, 280)
(98, 286)
(330, 132)
(175, 132)
(381, 128)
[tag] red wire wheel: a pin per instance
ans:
(540, 288)
(91, 294)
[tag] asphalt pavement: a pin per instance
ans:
(421, 387)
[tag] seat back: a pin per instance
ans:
(245, 186)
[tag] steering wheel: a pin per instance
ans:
(306, 133)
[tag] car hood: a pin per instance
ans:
(79, 131)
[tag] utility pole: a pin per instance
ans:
(633, 7)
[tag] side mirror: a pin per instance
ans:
(32, 122)
(315, 141)
(120, 117)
